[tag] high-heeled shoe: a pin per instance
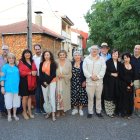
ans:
(25, 116)
(30, 115)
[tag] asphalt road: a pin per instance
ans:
(71, 128)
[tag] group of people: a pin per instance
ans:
(60, 84)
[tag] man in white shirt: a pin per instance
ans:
(38, 92)
(94, 68)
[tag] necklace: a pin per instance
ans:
(128, 66)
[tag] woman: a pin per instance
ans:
(47, 73)
(28, 72)
(78, 83)
(126, 86)
(10, 77)
(63, 83)
(110, 90)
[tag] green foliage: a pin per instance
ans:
(115, 22)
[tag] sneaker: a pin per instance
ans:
(89, 116)
(99, 115)
(9, 119)
(81, 112)
(37, 112)
(74, 111)
(16, 118)
(43, 112)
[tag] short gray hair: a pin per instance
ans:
(77, 52)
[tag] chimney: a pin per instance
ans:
(38, 18)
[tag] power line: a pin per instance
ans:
(11, 7)
(51, 9)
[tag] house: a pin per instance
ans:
(61, 24)
(79, 40)
(15, 36)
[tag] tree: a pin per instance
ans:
(115, 22)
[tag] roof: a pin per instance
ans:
(67, 20)
(84, 36)
(21, 28)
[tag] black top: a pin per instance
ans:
(47, 78)
(110, 89)
(82, 77)
(136, 66)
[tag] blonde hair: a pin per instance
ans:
(11, 55)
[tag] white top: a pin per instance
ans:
(115, 64)
(91, 66)
(37, 60)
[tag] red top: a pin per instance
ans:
(25, 72)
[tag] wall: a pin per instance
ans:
(17, 43)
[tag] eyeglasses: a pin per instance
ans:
(37, 49)
(5, 49)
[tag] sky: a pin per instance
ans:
(16, 10)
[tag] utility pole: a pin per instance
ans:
(29, 25)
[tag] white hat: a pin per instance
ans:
(104, 44)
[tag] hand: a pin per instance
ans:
(1, 73)
(94, 78)
(45, 83)
(128, 87)
(61, 76)
(34, 73)
(114, 74)
(131, 84)
(2, 90)
(84, 84)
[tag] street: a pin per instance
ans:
(71, 128)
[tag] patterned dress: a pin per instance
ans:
(78, 93)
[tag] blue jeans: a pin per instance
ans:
(39, 96)
(2, 104)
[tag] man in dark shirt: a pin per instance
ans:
(136, 64)
(3, 60)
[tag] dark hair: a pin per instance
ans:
(62, 51)
(115, 50)
(23, 55)
(51, 57)
(37, 45)
(127, 54)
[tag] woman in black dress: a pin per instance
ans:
(78, 83)
(110, 89)
(126, 86)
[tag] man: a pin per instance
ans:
(106, 56)
(38, 92)
(3, 60)
(94, 70)
(104, 51)
(135, 60)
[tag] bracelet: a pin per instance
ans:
(2, 86)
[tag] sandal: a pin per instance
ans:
(47, 116)
(63, 114)
(58, 114)
(53, 118)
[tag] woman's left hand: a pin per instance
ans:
(84, 84)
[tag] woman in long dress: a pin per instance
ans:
(110, 90)
(63, 73)
(126, 86)
(78, 84)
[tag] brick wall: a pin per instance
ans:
(17, 43)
